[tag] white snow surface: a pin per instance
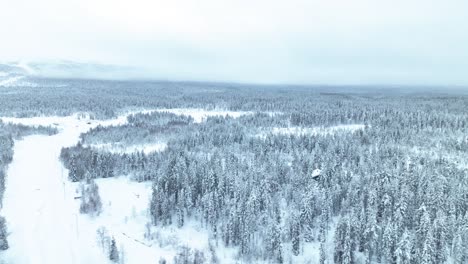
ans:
(11, 81)
(73, 126)
(15, 78)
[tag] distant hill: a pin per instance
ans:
(15, 73)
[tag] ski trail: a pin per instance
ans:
(42, 217)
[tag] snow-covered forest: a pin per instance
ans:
(180, 172)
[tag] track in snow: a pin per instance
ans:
(39, 207)
(42, 219)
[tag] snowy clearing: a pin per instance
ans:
(125, 215)
(80, 122)
(199, 115)
(457, 159)
(12, 81)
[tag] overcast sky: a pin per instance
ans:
(289, 41)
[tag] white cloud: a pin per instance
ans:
(333, 41)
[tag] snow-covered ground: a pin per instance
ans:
(13, 75)
(125, 216)
(38, 203)
(455, 157)
(14, 81)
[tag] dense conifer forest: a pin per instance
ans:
(393, 191)
(233, 132)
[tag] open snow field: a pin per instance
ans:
(125, 216)
(199, 115)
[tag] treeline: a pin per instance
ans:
(140, 129)
(6, 155)
(105, 99)
(381, 202)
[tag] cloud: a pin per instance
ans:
(298, 41)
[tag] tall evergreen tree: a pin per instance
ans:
(113, 252)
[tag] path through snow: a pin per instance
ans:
(38, 204)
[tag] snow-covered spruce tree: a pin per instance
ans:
(198, 257)
(103, 238)
(459, 251)
(403, 250)
(73, 170)
(323, 254)
(113, 252)
(274, 245)
(90, 199)
(180, 217)
(295, 234)
(3, 234)
(2, 184)
(343, 243)
(389, 243)
(428, 254)
(183, 255)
